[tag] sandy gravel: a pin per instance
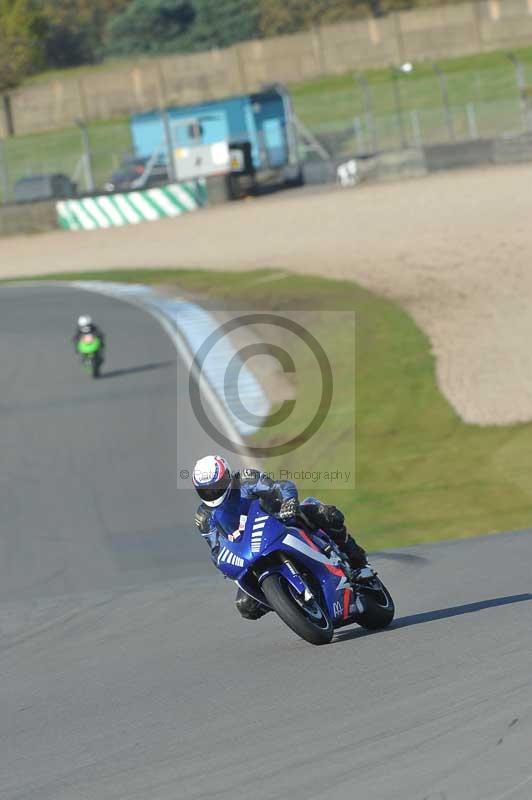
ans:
(454, 249)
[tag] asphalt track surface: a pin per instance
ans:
(125, 671)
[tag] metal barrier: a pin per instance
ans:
(130, 208)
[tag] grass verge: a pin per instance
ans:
(422, 474)
(483, 78)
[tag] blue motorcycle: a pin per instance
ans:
(299, 573)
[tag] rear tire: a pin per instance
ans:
(379, 608)
(313, 626)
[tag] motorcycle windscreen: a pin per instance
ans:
(227, 516)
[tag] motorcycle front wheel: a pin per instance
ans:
(306, 618)
(375, 606)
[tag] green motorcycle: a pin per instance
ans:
(90, 350)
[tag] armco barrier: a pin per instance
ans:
(454, 155)
(130, 208)
(514, 150)
(27, 218)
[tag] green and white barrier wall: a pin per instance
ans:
(130, 208)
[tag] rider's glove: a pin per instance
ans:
(288, 509)
(334, 522)
(202, 519)
(249, 474)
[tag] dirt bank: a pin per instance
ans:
(454, 249)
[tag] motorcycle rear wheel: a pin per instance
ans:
(309, 620)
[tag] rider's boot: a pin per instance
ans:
(248, 607)
(357, 558)
(356, 555)
(332, 521)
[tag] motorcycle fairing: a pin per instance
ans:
(89, 344)
(264, 536)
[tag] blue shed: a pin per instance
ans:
(263, 120)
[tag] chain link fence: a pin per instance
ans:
(423, 127)
(85, 157)
(352, 116)
(420, 106)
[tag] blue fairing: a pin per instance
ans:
(249, 540)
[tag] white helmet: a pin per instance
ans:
(84, 322)
(212, 480)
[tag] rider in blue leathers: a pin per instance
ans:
(218, 487)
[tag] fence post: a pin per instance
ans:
(161, 84)
(477, 12)
(359, 134)
(169, 146)
(521, 85)
(4, 175)
(396, 16)
(290, 127)
(319, 50)
(83, 111)
(472, 121)
(398, 106)
(87, 156)
(444, 91)
(416, 127)
(368, 110)
(241, 66)
(8, 115)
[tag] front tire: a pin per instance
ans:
(96, 364)
(309, 621)
(376, 607)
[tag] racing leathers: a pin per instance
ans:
(91, 329)
(251, 484)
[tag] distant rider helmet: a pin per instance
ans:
(84, 323)
(212, 480)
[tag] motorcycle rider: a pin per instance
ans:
(86, 326)
(216, 484)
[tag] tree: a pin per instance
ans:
(223, 24)
(75, 29)
(149, 26)
(278, 17)
(21, 29)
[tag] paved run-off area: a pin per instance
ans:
(453, 249)
(125, 671)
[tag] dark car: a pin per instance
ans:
(137, 173)
(44, 187)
